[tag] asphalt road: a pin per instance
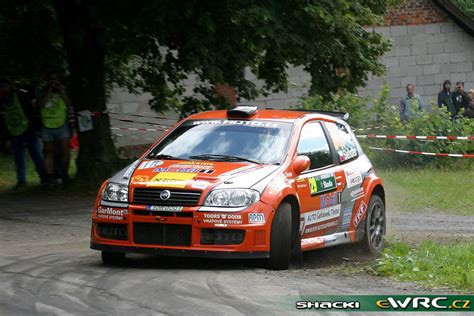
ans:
(47, 268)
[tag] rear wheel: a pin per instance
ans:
(375, 226)
(113, 258)
(280, 239)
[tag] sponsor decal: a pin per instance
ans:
(199, 184)
(301, 185)
(194, 164)
(111, 213)
(322, 183)
(150, 164)
(347, 152)
(321, 227)
(330, 199)
(357, 194)
(141, 179)
(256, 218)
(222, 219)
(130, 170)
(302, 225)
(360, 213)
(184, 170)
(237, 122)
(353, 177)
(163, 208)
(171, 179)
(322, 215)
(346, 217)
(312, 241)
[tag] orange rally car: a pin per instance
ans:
(243, 183)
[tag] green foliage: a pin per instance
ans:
(466, 6)
(152, 46)
(431, 264)
(369, 112)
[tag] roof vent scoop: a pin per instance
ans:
(242, 111)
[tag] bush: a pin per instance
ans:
(368, 112)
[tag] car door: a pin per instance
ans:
(319, 188)
(352, 194)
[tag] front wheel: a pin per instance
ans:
(280, 239)
(113, 258)
(375, 226)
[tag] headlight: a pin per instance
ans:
(232, 197)
(115, 192)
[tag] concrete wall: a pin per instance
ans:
(425, 55)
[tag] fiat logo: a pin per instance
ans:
(165, 194)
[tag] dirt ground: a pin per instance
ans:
(46, 267)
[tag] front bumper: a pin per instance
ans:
(189, 232)
(182, 252)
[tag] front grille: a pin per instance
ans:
(177, 197)
(211, 236)
(112, 231)
(162, 234)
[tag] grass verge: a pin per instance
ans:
(429, 190)
(430, 264)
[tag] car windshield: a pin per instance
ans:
(226, 140)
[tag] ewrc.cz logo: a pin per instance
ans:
(328, 305)
(428, 303)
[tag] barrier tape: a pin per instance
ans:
(417, 137)
(134, 137)
(412, 152)
(143, 116)
(138, 129)
(146, 123)
(368, 128)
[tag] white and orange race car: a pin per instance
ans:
(243, 183)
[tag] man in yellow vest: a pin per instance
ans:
(56, 130)
(21, 121)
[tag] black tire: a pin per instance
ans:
(280, 239)
(373, 241)
(113, 258)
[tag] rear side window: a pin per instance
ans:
(313, 143)
(345, 146)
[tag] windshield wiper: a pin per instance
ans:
(162, 156)
(223, 158)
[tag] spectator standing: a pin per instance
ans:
(445, 98)
(56, 130)
(460, 98)
(470, 108)
(409, 104)
(22, 123)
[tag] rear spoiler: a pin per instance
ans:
(338, 115)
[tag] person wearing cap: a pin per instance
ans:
(410, 103)
(21, 119)
(460, 97)
(445, 99)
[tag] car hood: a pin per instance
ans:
(194, 174)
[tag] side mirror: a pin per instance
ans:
(300, 164)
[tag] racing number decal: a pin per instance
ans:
(322, 183)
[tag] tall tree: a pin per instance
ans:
(151, 46)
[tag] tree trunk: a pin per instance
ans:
(83, 42)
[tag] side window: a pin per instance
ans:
(345, 146)
(313, 143)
